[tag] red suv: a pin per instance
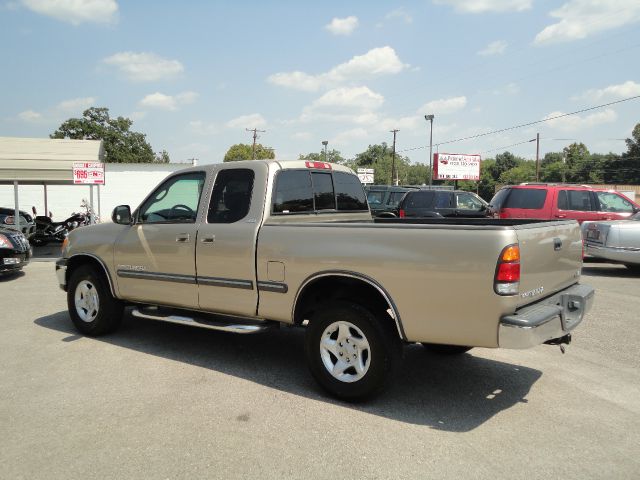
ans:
(553, 201)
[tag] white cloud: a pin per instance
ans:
(624, 90)
(30, 116)
(137, 115)
(400, 14)
(342, 26)
(578, 19)
(573, 123)
(253, 120)
(167, 102)
(76, 104)
(144, 67)
(75, 11)
(443, 106)
(481, 6)
(203, 128)
(361, 98)
(494, 48)
(378, 61)
(346, 137)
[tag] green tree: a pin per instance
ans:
(525, 172)
(551, 157)
(121, 145)
(242, 151)
(162, 157)
(333, 156)
(506, 161)
(380, 158)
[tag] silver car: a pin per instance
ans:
(614, 240)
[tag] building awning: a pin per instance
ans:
(40, 161)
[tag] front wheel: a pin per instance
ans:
(93, 310)
(351, 352)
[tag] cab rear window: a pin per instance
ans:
(304, 191)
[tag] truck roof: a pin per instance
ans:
(282, 164)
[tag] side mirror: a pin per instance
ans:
(121, 215)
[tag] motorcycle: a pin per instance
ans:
(49, 231)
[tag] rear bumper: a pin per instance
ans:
(549, 319)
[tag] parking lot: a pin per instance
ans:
(166, 401)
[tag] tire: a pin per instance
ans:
(351, 352)
(446, 349)
(93, 310)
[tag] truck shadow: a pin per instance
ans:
(455, 394)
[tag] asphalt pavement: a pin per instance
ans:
(157, 400)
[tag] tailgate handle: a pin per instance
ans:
(557, 244)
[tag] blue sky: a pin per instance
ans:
(193, 75)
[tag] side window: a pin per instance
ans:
(394, 198)
(418, 200)
(175, 201)
(349, 192)
(231, 196)
(579, 200)
(525, 198)
(293, 193)
(375, 197)
(323, 191)
(467, 201)
(443, 200)
(612, 202)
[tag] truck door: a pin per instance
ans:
(226, 250)
(576, 204)
(155, 257)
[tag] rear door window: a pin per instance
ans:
(526, 198)
(579, 200)
(231, 196)
(443, 200)
(418, 200)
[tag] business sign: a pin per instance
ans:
(456, 166)
(366, 175)
(88, 173)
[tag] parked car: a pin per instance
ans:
(552, 201)
(383, 199)
(439, 203)
(244, 247)
(616, 240)
(27, 224)
(15, 251)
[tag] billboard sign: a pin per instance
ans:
(366, 175)
(88, 173)
(456, 166)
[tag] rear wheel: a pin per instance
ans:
(351, 352)
(441, 349)
(93, 310)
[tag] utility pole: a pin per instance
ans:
(394, 174)
(537, 157)
(429, 118)
(255, 136)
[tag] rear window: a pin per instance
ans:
(418, 200)
(525, 198)
(349, 192)
(302, 191)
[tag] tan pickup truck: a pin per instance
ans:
(246, 246)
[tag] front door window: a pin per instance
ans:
(175, 201)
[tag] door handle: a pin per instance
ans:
(183, 238)
(209, 239)
(561, 216)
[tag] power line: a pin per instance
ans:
(528, 124)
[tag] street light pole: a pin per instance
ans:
(325, 143)
(394, 173)
(429, 118)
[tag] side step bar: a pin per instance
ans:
(211, 322)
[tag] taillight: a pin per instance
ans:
(402, 214)
(507, 278)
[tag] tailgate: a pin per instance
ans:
(550, 258)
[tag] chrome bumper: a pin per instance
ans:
(61, 273)
(549, 319)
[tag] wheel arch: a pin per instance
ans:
(343, 285)
(80, 259)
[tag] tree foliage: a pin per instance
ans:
(333, 156)
(121, 145)
(242, 151)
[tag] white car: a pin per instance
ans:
(614, 240)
